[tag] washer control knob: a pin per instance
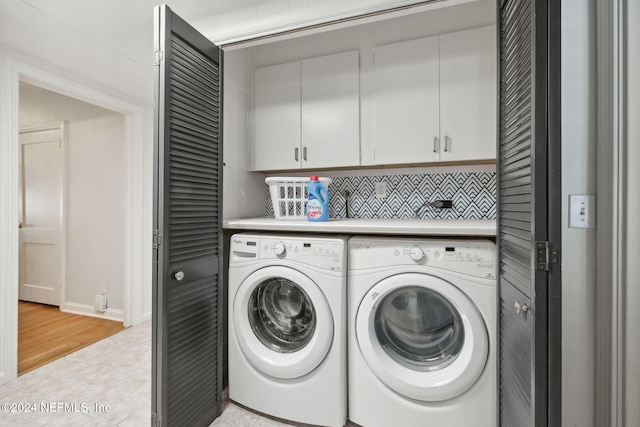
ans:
(416, 254)
(279, 249)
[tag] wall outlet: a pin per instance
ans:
(381, 190)
(101, 302)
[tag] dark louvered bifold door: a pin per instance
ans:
(528, 217)
(187, 353)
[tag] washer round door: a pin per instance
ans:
(422, 336)
(283, 322)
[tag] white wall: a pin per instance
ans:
(95, 195)
(244, 193)
(578, 177)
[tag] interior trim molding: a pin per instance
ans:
(310, 19)
(327, 19)
(611, 218)
(8, 227)
(632, 248)
(89, 310)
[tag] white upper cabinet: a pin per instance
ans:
(331, 111)
(468, 95)
(307, 114)
(405, 96)
(434, 99)
(425, 100)
(277, 117)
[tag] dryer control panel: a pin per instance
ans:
(473, 257)
(327, 254)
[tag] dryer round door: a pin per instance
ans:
(282, 321)
(422, 336)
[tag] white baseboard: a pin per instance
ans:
(146, 316)
(89, 310)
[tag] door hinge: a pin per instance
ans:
(157, 239)
(546, 254)
(158, 56)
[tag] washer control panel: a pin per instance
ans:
(328, 254)
(473, 257)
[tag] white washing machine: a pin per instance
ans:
(422, 332)
(287, 326)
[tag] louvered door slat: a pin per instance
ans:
(518, 154)
(517, 225)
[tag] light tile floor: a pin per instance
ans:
(105, 384)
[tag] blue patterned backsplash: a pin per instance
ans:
(473, 195)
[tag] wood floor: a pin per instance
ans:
(45, 333)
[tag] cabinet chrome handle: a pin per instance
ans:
(179, 276)
(446, 143)
(436, 143)
(304, 154)
(520, 308)
(295, 153)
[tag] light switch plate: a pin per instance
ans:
(582, 211)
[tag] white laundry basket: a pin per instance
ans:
(289, 195)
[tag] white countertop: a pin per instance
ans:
(422, 227)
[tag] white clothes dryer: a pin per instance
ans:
(422, 332)
(287, 326)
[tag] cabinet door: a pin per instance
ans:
(276, 141)
(331, 111)
(406, 92)
(468, 95)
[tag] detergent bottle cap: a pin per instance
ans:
(313, 178)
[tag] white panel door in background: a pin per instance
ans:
(40, 214)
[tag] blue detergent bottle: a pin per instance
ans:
(317, 200)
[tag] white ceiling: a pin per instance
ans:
(109, 43)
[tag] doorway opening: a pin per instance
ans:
(72, 224)
(136, 306)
